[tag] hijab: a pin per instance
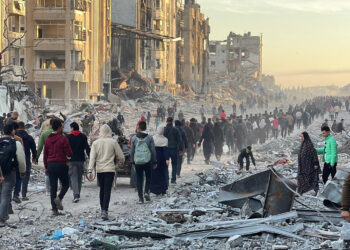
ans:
(159, 139)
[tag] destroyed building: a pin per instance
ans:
(238, 56)
(68, 49)
(12, 28)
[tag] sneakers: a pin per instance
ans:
(16, 199)
(141, 201)
(25, 199)
(173, 181)
(147, 197)
(2, 223)
(104, 215)
(58, 203)
(76, 199)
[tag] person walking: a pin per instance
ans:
(245, 154)
(219, 138)
(208, 141)
(184, 146)
(12, 158)
(29, 150)
(105, 153)
(45, 133)
(57, 151)
(275, 127)
(330, 154)
(143, 155)
(229, 136)
(174, 146)
(79, 145)
(308, 166)
(159, 184)
(191, 141)
(121, 119)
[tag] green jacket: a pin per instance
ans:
(42, 139)
(331, 151)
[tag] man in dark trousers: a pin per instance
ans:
(208, 138)
(184, 146)
(29, 149)
(229, 135)
(218, 138)
(191, 141)
(56, 153)
(174, 146)
(246, 153)
(79, 145)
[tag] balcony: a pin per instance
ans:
(79, 5)
(47, 44)
(49, 14)
(49, 75)
(16, 8)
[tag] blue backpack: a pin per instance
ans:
(142, 152)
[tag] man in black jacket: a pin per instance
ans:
(184, 146)
(79, 144)
(229, 135)
(208, 138)
(29, 146)
(246, 153)
(197, 135)
(218, 138)
(191, 141)
(174, 146)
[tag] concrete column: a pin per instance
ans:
(68, 37)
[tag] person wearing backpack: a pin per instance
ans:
(143, 155)
(12, 158)
(105, 152)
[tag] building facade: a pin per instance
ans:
(68, 49)
(196, 47)
(12, 32)
(218, 57)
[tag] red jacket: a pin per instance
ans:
(57, 149)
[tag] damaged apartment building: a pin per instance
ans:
(68, 48)
(238, 56)
(12, 31)
(150, 40)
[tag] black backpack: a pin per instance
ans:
(8, 160)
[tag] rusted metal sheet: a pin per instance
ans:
(237, 193)
(279, 199)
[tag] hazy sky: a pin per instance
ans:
(306, 42)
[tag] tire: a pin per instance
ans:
(133, 177)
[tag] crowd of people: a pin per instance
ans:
(65, 151)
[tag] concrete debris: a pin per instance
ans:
(234, 241)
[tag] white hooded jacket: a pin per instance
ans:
(105, 152)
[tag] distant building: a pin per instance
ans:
(239, 56)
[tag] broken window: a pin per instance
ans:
(50, 3)
(53, 60)
(158, 64)
(50, 29)
(79, 32)
(212, 63)
(78, 5)
(158, 4)
(157, 25)
(76, 60)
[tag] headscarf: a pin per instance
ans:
(159, 139)
(105, 131)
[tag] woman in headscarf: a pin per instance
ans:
(308, 166)
(160, 175)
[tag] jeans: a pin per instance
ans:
(105, 181)
(140, 169)
(189, 153)
(179, 164)
(75, 172)
(18, 185)
(328, 170)
(26, 179)
(58, 171)
(173, 155)
(5, 194)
